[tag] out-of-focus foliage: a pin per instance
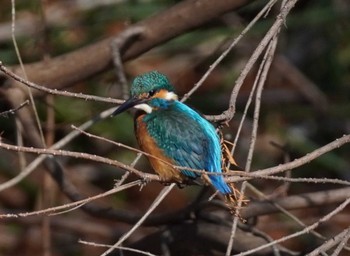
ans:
(316, 40)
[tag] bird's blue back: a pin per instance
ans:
(186, 138)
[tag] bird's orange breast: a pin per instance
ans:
(159, 161)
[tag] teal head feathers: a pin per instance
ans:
(150, 83)
(146, 89)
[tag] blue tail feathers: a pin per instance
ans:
(219, 183)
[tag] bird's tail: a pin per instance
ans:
(234, 199)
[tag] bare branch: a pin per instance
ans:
(165, 191)
(75, 204)
(314, 199)
(266, 8)
(55, 91)
(97, 57)
(13, 111)
(300, 161)
(304, 231)
(64, 141)
(119, 247)
(81, 155)
(273, 31)
(330, 243)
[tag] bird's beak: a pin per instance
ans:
(127, 104)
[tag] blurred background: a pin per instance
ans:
(305, 104)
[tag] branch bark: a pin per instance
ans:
(65, 70)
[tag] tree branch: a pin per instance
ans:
(64, 70)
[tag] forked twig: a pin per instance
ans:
(13, 111)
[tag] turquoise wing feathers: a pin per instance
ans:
(173, 131)
(188, 139)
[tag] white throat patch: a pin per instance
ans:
(170, 96)
(145, 107)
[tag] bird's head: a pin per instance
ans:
(144, 91)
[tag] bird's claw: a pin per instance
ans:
(144, 181)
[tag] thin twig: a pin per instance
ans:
(117, 45)
(73, 204)
(55, 91)
(61, 143)
(330, 243)
(165, 191)
(301, 232)
(119, 247)
(264, 173)
(280, 20)
(299, 161)
(228, 50)
(268, 238)
(299, 180)
(342, 243)
(118, 144)
(31, 98)
(260, 80)
(80, 155)
(314, 199)
(13, 111)
(282, 209)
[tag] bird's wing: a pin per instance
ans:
(182, 139)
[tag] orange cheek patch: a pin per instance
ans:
(161, 94)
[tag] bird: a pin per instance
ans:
(173, 134)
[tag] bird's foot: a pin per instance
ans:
(166, 182)
(144, 181)
(181, 185)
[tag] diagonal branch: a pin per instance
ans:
(69, 68)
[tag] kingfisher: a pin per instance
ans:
(173, 134)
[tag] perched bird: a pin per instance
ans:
(173, 133)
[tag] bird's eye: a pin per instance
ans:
(151, 93)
